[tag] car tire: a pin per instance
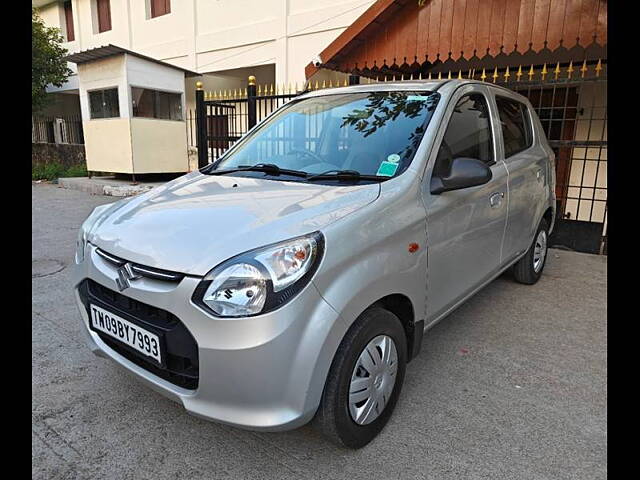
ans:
(335, 415)
(529, 268)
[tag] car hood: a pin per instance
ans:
(195, 222)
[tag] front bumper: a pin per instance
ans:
(262, 373)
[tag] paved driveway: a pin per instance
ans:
(512, 385)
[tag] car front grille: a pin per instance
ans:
(180, 351)
(142, 270)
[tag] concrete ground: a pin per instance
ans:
(510, 386)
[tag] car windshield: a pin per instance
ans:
(368, 133)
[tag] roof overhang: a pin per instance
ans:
(440, 36)
(111, 50)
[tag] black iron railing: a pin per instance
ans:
(222, 118)
(573, 114)
(57, 129)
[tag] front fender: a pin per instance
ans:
(367, 256)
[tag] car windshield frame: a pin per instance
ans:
(412, 105)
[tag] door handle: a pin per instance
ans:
(495, 200)
(539, 176)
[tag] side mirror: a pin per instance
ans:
(464, 172)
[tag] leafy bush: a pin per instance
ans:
(75, 171)
(52, 171)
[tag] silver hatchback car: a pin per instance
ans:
(293, 278)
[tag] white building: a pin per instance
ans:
(227, 40)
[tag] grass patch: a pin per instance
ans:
(52, 171)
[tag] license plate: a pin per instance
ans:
(128, 333)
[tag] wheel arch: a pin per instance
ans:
(402, 307)
(548, 216)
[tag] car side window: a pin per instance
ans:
(468, 134)
(516, 126)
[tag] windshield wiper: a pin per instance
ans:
(268, 168)
(346, 175)
(272, 169)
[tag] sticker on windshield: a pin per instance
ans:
(387, 169)
(393, 158)
(417, 98)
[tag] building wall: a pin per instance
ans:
(107, 140)
(211, 36)
(145, 74)
(104, 73)
(67, 155)
(129, 144)
(228, 80)
(169, 146)
(108, 145)
(52, 16)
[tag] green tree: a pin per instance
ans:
(47, 61)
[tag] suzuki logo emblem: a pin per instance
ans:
(125, 274)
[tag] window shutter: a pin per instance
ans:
(160, 7)
(104, 16)
(68, 17)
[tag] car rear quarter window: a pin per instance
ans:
(516, 126)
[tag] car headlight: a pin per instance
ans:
(81, 243)
(260, 280)
(85, 229)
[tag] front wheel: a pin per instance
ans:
(364, 380)
(528, 269)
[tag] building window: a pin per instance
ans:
(104, 103)
(516, 127)
(68, 21)
(103, 8)
(149, 103)
(159, 7)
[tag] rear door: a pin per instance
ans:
(526, 163)
(465, 227)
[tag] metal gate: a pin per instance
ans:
(231, 114)
(573, 113)
(570, 102)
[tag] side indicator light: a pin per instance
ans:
(413, 247)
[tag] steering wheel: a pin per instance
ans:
(309, 153)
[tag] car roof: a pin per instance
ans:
(416, 85)
(378, 87)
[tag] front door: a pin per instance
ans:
(465, 227)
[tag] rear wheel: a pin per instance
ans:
(529, 268)
(365, 380)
